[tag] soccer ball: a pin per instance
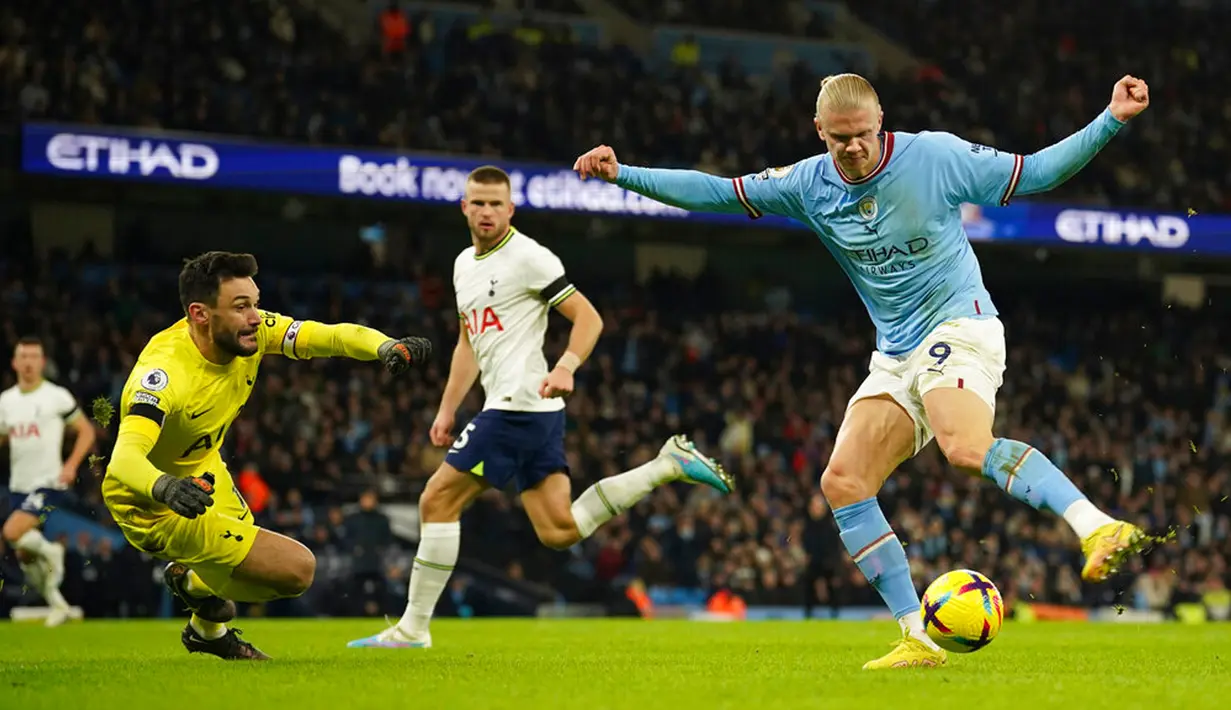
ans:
(962, 611)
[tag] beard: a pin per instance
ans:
(229, 343)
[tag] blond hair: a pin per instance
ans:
(843, 92)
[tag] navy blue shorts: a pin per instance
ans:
(500, 446)
(41, 502)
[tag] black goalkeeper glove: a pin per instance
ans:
(188, 497)
(398, 355)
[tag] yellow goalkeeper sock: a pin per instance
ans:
(207, 630)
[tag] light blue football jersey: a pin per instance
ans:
(897, 233)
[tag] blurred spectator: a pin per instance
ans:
(686, 53)
(395, 28)
(369, 537)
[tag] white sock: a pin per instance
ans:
(34, 543)
(434, 562)
(33, 572)
(1084, 518)
(54, 598)
(912, 624)
(611, 496)
(206, 629)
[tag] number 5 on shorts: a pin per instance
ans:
(463, 438)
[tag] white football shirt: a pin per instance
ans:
(503, 298)
(34, 423)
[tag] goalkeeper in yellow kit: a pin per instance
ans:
(167, 486)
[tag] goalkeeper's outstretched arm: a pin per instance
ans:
(302, 339)
(309, 338)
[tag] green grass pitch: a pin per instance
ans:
(624, 664)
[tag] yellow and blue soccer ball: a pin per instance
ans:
(962, 611)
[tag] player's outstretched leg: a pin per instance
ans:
(677, 460)
(876, 435)
(561, 522)
(1027, 475)
(447, 494)
(1024, 473)
(962, 423)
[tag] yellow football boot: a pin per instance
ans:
(1107, 548)
(910, 652)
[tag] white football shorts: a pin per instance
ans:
(967, 352)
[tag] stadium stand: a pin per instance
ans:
(479, 87)
(1038, 70)
(795, 18)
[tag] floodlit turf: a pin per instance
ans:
(560, 665)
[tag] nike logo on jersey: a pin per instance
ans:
(200, 413)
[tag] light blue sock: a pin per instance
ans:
(1024, 473)
(878, 554)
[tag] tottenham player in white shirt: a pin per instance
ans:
(33, 415)
(506, 283)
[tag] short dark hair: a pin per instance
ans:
(201, 277)
(489, 175)
(29, 340)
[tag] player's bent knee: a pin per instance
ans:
(965, 452)
(558, 538)
(18, 524)
(433, 505)
(297, 575)
(844, 485)
(305, 574)
(966, 457)
(444, 497)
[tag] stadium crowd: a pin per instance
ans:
(793, 17)
(1075, 50)
(270, 69)
(1131, 398)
